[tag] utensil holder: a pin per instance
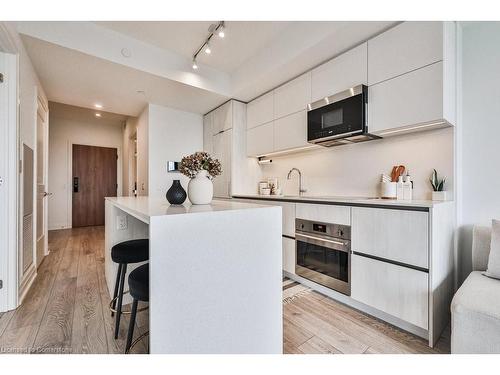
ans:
(388, 190)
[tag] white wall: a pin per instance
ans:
(67, 128)
(28, 90)
(142, 152)
(354, 170)
(172, 135)
(129, 160)
(480, 134)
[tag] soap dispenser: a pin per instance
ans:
(400, 189)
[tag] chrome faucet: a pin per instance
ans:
(301, 190)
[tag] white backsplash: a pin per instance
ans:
(354, 170)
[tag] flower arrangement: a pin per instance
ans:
(192, 164)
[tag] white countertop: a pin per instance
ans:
(143, 208)
(344, 200)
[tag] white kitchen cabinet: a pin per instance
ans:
(399, 291)
(222, 151)
(293, 96)
(402, 102)
(325, 213)
(260, 140)
(222, 118)
(289, 255)
(207, 133)
(290, 131)
(397, 235)
(339, 74)
(406, 47)
(260, 110)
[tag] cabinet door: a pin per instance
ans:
(293, 96)
(325, 213)
(260, 140)
(406, 47)
(290, 131)
(396, 235)
(341, 73)
(413, 98)
(260, 110)
(207, 133)
(222, 151)
(399, 291)
(289, 255)
(222, 118)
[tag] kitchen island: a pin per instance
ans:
(215, 273)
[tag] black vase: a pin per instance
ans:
(176, 194)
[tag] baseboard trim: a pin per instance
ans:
(346, 300)
(26, 283)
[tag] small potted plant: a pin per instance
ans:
(438, 192)
(201, 168)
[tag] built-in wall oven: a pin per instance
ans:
(324, 254)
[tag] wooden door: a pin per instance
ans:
(94, 178)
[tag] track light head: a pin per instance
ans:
(195, 66)
(208, 51)
(220, 31)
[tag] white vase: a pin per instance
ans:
(200, 188)
(439, 195)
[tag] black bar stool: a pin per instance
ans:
(124, 253)
(138, 282)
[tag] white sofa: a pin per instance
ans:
(475, 308)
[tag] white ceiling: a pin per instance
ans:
(80, 63)
(75, 78)
(69, 112)
(243, 39)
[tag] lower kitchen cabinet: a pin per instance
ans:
(289, 255)
(399, 291)
(325, 213)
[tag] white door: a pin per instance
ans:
(8, 181)
(41, 182)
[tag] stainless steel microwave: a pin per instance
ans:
(340, 118)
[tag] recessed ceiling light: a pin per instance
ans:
(97, 115)
(221, 32)
(97, 105)
(126, 52)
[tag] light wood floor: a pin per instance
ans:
(66, 311)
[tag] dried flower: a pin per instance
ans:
(192, 164)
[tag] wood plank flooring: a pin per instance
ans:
(66, 311)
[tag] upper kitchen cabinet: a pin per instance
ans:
(293, 96)
(260, 110)
(412, 78)
(207, 133)
(290, 131)
(260, 140)
(406, 47)
(222, 118)
(341, 73)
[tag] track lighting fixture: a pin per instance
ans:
(214, 29)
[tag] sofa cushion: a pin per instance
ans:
(475, 312)
(494, 258)
(478, 294)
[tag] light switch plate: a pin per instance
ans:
(121, 222)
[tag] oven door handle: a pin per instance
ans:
(344, 245)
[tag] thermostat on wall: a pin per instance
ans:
(172, 166)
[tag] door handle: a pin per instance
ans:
(75, 184)
(46, 194)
